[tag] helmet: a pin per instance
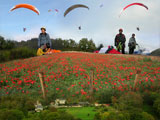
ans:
(43, 28)
(121, 29)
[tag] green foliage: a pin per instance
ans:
(13, 114)
(22, 53)
(116, 116)
(21, 103)
(106, 96)
(156, 106)
(52, 116)
(146, 116)
(6, 44)
(150, 97)
(53, 109)
(16, 53)
(87, 45)
(97, 116)
(4, 56)
(130, 100)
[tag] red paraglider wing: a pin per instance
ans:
(30, 7)
(140, 4)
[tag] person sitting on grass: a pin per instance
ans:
(41, 50)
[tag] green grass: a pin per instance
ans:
(84, 113)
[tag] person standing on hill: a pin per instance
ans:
(132, 44)
(120, 40)
(44, 38)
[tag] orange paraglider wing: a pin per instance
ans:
(30, 7)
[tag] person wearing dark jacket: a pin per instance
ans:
(44, 38)
(120, 40)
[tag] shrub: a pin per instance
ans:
(156, 105)
(16, 53)
(97, 116)
(25, 52)
(115, 115)
(13, 114)
(52, 116)
(53, 109)
(130, 100)
(150, 97)
(146, 116)
(4, 56)
(29, 105)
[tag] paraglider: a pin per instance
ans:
(140, 4)
(56, 10)
(30, 7)
(24, 29)
(101, 5)
(49, 10)
(79, 27)
(138, 29)
(74, 7)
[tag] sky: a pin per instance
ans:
(98, 23)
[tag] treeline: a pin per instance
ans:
(61, 44)
(65, 45)
(10, 49)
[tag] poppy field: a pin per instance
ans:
(77, 76)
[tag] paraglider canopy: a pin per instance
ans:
(74, 7)
(139, 4)
(30, 7)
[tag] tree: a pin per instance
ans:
(6, 44)
(91, 46)
(87, 45)
(83, 44)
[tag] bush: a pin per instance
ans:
(129, 101)
(52, 109)
(52, 116)
(156, 106)
(146, 116)
(22, 53)
(4, 56)
(16, 53)
(29, 105)
(115, 115)
(21, 103)
(13, 114)
(150, 97)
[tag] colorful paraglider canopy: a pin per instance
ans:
(30, 7)
(139, 4)
(74, 7)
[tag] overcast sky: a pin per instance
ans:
(98, 23)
